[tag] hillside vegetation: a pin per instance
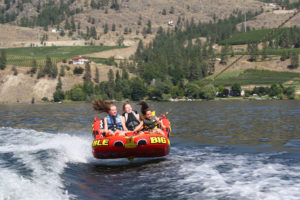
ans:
(25, 56)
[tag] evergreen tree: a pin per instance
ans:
(54, 71)
(113, 27)
(93, 33)
(111, 84)
(59, 84)
(58, 95)
(253, 51)
(149, 30)
(294, 60)
(3, 60)
(172, 11)
(97, 75)
(105, 28)
(284, 55)
(62, 71)
(264, 51)
(284, 41)
(48, 66)
(236, 90)
(87, 75)
(125, 75)
(73, 24)
(138, 91)
(33, 68)
(67, 25)
(115, 5)
(224, 52)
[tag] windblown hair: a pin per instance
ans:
(125, 104)
(102, 106)
(144, 107)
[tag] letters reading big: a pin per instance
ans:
(158, 140)
(103, 142)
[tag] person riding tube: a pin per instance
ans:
(149, 122)
(132, 118)
(114, 124)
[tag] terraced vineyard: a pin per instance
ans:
(251, 36)
(255, 77)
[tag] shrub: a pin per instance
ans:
(45, 99)
(236, 90)
(14, 69)
(58, 95)
(78, 70)
(77, 94)
(208, 92)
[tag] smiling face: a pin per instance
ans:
(148, 114)
(113, 111)
(127, 108)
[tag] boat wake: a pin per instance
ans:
(31, 162)
(213, 174)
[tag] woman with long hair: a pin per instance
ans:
(149, 122)
(114, 124)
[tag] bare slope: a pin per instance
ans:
(22, 88)
(131, 11)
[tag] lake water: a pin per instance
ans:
(220, 150)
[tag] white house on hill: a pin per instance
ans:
(79, 60)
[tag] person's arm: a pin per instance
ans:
(160, 123)
(138, 116)
(139, 127)
(105, 124)
(123, 123)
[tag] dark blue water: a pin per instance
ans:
(220, 150)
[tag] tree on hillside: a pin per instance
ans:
(105, 30)
(113, 27)
(97, 75)
(139, 91)
(149, 30)
(284, 55)
(48, 66)
(236, 90)
(115, 5)
(67, 25)
(294, 61)
(62, 70)
(111, 84)
(172, 10)
(264, 51)
(284, 40)
(59, 84)
(125, 75)
(208, 92)
(93, 33)
(73, 24)
(224, 52)
(87, 75)
(33, 68)
(54, 71)
(253, 51)
(3, 60)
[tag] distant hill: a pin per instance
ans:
(109, 19)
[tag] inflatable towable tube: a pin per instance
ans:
(131, 145)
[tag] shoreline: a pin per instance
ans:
(297, 98)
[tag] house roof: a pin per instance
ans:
(77, 58)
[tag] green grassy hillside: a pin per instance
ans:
(255, 77)
(25, 56)
(250, 37)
